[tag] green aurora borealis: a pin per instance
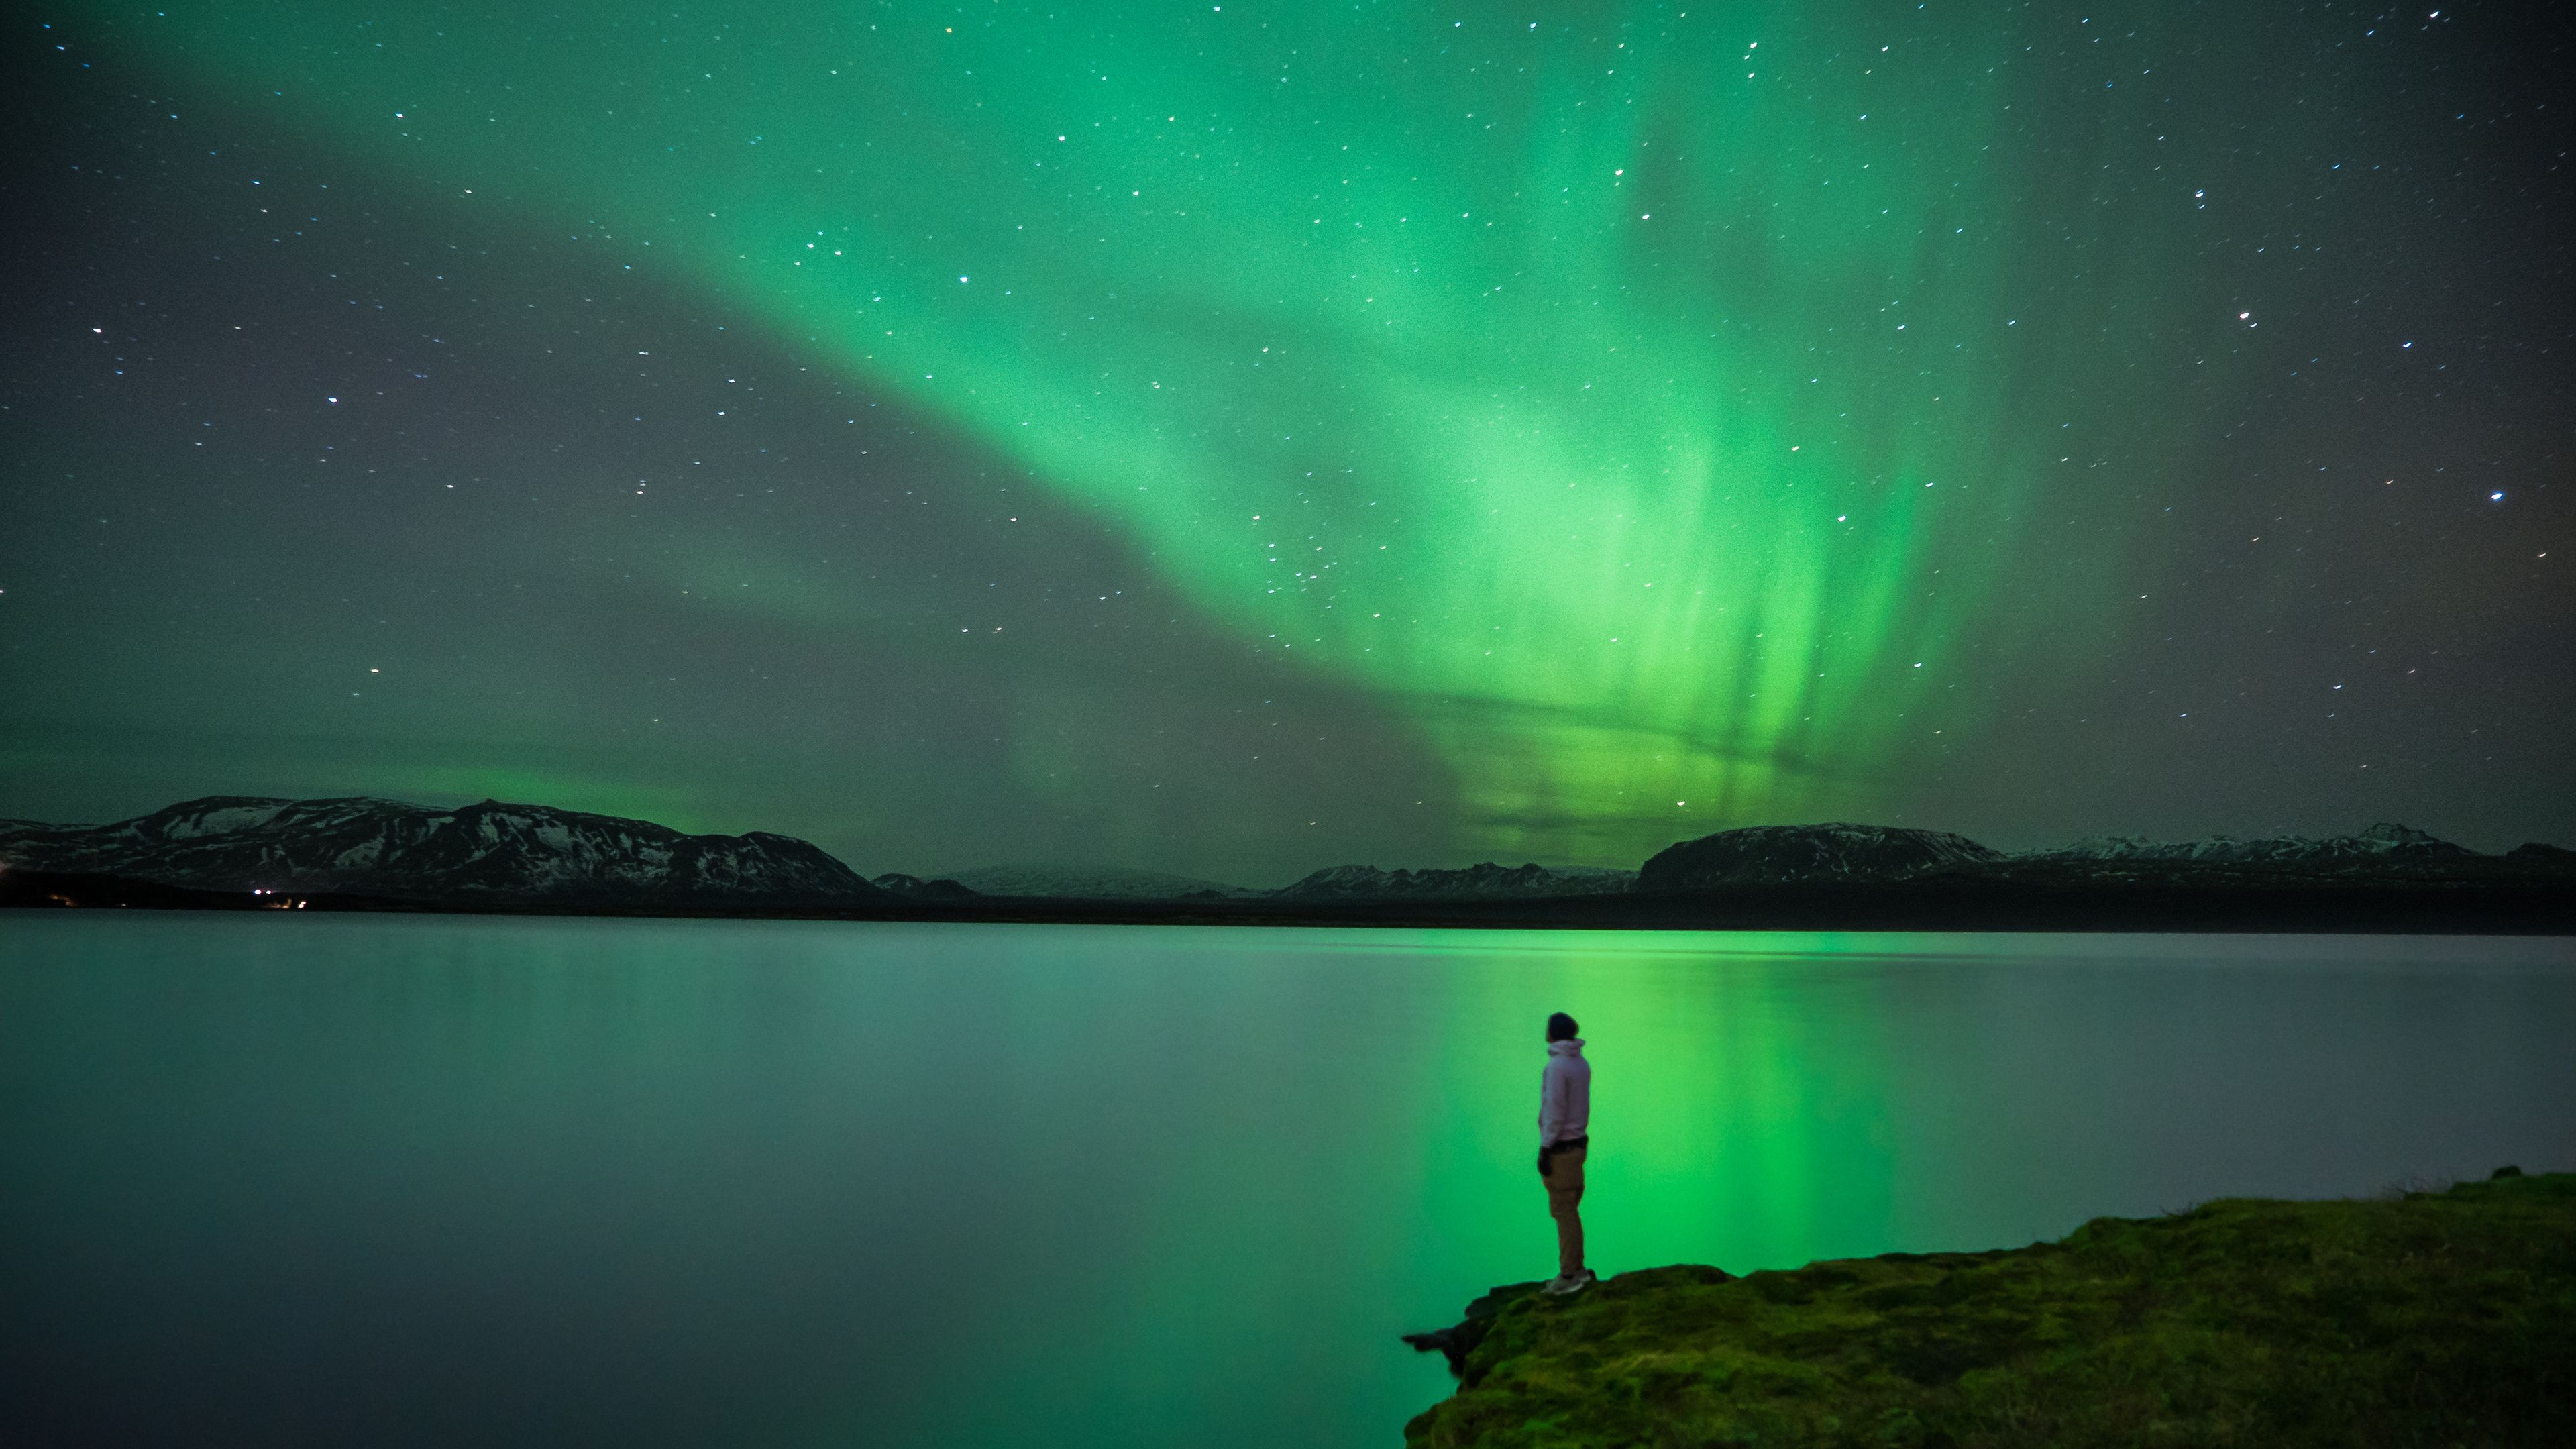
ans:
(1667, 417)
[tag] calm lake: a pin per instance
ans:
(337, 1180)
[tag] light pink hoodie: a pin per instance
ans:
(1564, 1093)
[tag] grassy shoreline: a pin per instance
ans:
(2429, 1319)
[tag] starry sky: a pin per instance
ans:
(1237, 439)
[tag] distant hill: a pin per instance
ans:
(1484, 882)
(914, 886)
(1781, 854)
(1091, 883)
(503, 854)
(1337, 883)
(1878, 855)
(2382, 842)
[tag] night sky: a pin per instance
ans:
(1241, 439)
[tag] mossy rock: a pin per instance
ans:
(2434, 1319)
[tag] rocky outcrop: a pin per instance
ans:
(2443, 1317)
(1458, 1341)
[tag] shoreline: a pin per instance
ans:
(2443, 1317)
(2537, 905)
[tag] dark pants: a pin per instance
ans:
(1564, 1200)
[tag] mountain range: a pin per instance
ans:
(1484, 882)
(491, 852)
(537, 856)
(2379, 842)
(1091, 883)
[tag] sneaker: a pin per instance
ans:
(1567, 1283)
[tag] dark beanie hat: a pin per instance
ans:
(1561, 1027)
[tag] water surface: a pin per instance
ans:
(434, 1181)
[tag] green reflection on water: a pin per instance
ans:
(690, 1182)
(1738, 1118)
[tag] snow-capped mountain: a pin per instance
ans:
(1089, 882)
(488, 852)
(1773, 854)
(1486, 881)
(2382, 842)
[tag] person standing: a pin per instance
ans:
(1564, 1135)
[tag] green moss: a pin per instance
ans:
(2433, 1319)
